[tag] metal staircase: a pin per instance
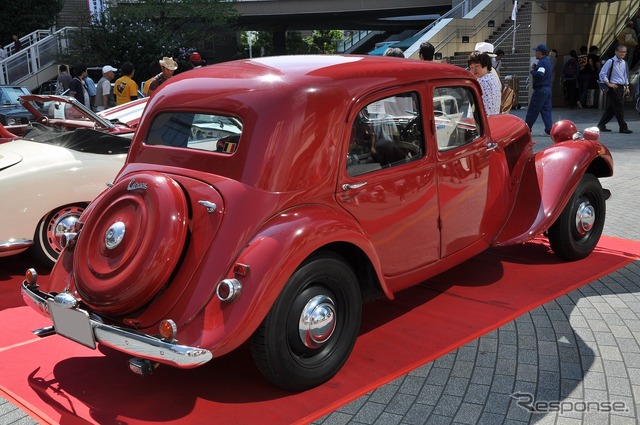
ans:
(517, 59)
(36, 62)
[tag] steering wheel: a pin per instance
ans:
(411, 130)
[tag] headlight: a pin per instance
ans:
(11, 121)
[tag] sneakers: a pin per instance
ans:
(604, 129)
(626, 131)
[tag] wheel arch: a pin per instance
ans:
(370, 286)
(549, 179)
(327, 230)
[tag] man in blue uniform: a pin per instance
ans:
(540, 103)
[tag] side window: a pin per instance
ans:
(386, 133)
(456, 117)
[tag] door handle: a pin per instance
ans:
(348, 186)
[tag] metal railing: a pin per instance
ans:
(39, 50)
(491, 16)
(457, 11)
(352, 40)
(503, 37)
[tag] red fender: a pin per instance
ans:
(6, 134)
(549, 179)
(299, 232)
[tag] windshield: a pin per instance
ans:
(10, 95)
(210, 132)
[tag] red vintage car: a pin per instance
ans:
(268, 199)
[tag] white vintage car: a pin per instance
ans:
(55, 167)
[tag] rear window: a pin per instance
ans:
(208, 132)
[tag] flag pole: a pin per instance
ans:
(513, 18)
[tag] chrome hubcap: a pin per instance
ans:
(66, 224)
(317, 321)
(585, 218)
(114, 235)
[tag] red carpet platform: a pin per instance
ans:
(58, 381)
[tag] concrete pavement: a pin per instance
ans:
(573, 360)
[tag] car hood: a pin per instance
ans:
(31, 154)
(8, 158)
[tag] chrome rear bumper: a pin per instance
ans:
(14, 246)
(127, 341)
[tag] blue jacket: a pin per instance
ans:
(542, 74)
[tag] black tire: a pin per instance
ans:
(46, 244)
(577, 231)
(277, 345)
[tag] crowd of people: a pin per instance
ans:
(76, 82)
(583, 78)
(579, 75)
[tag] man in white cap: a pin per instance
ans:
(168, 65)
(483, 47)
(103, 88)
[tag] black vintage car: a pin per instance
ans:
(11, 111)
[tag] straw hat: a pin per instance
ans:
(168, 63)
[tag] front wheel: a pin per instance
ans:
(312, 327)
(575, 234)
(46, 248)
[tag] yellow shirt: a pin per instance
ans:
(125, 89)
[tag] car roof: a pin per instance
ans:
(293, 109)
(289, 73)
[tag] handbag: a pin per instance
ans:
(507, 99)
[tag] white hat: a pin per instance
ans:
(168, 63)
(483, 47)
(108, 68)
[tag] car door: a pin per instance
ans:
(470, 171)
(389, 182)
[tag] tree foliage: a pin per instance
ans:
(25, 16)
(317, 42)
(145, 32)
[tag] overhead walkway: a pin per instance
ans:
(36, 62)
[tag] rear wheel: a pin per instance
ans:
(577, 231)
(312, 327)
(46, 248)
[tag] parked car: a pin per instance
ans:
(326, 181)
(11, 111)
(52, 168)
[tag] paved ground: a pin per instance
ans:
(579, 353)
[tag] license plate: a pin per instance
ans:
(73, 324)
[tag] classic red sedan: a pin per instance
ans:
(267, 199)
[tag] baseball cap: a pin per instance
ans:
(542, 49)
(484, 47)
(108, 68)
(195, 57)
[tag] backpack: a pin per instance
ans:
(571, 69)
